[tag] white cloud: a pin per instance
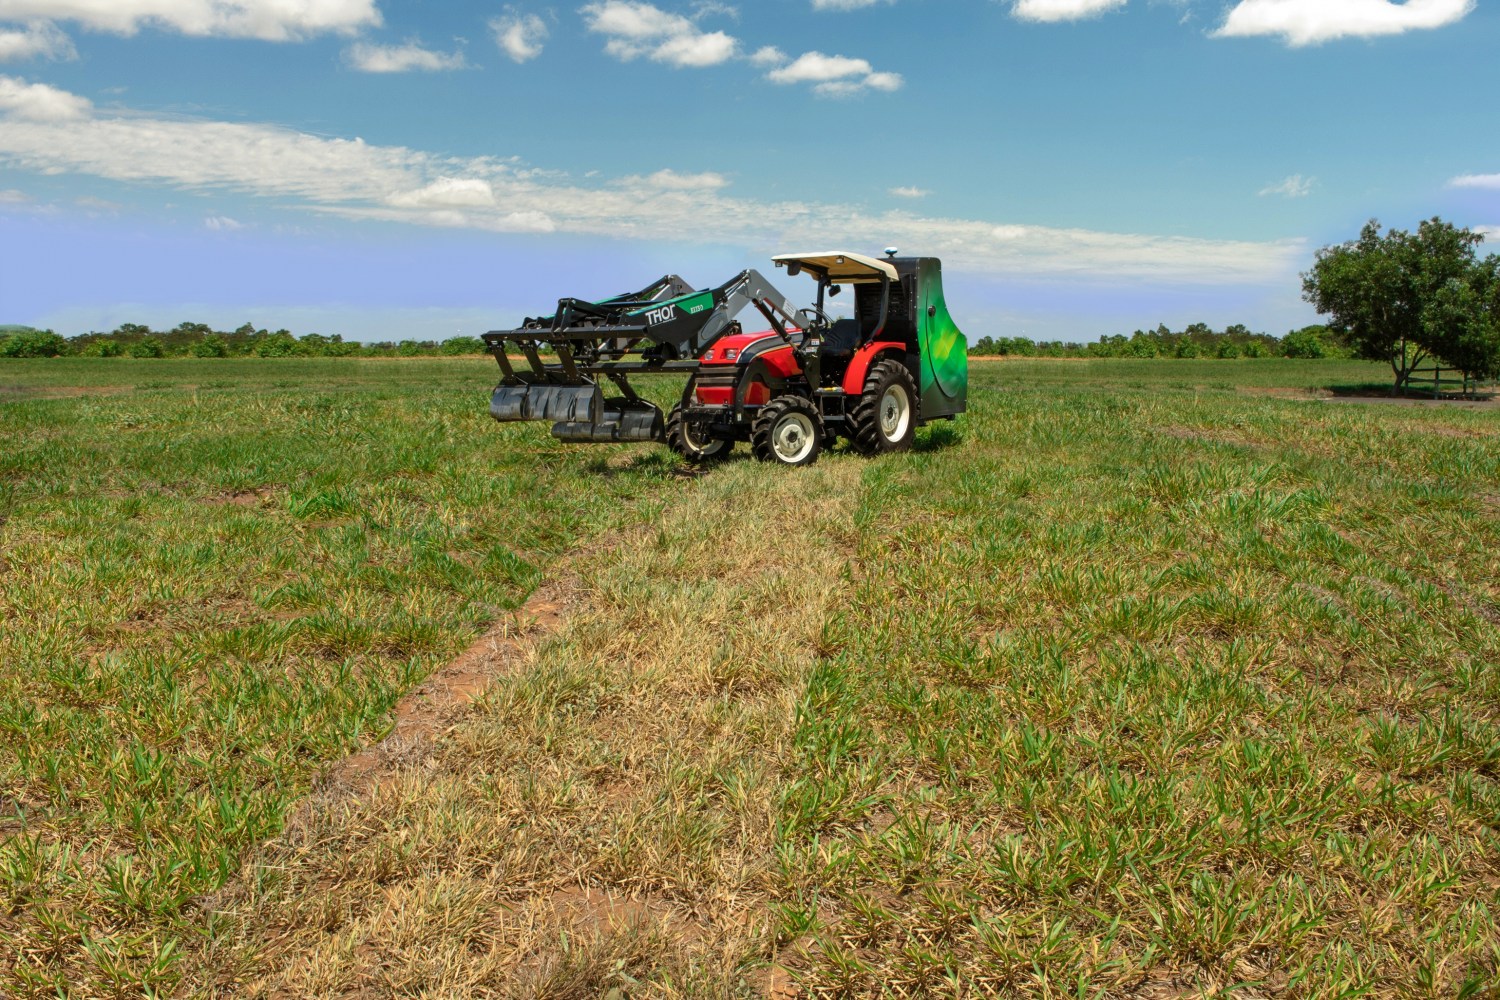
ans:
(368, 58)
(222, 224)
(355, 180)
(910, 192)
(713, 8)
(272, 20)
(768, 56)
(640, 29)
(519, 36)
(1482, 181)
(671, 180)
(834, 76)
(40, 103)
(95, 205)
(700, 50)
(1491, 234)
(846, 4)
(14, 197)
(36, 39)
(1309, 22)
(448, 192)
(1069, 10)
(1295, 186)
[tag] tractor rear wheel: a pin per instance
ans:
(788, 430)
(885, 418)
(691, 443)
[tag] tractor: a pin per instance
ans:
(790, 390)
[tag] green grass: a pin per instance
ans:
(1164, 688)
(217, 581)
(1144, 678)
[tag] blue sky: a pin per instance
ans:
(394, 168)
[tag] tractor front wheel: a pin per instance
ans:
(788, 430)
(691, 443)
(885, 418)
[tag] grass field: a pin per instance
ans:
(1144, 679)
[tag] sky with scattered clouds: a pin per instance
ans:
(386, 169)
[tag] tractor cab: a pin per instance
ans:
(870, 282)
(897, 301)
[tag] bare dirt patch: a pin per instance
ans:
(59, 391)
(1462, 433)
(1283, 392)
(429, 708)
(1206, 435)
(244, 498)
(1386, 400)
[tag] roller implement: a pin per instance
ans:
(789, 390)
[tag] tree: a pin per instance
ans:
(280, 344)
(148, 347)
(32, 344)
(1406, 297)
(1307, 342)
(1463, 320)
(462, 345)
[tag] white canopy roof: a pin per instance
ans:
(837, 265)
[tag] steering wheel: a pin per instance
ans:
(820, 320)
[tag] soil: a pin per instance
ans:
(429, 708)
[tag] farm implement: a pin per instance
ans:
(789, 390)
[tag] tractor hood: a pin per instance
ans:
(839, 266)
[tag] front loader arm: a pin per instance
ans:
(691, 324)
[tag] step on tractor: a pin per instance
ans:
(789, 391)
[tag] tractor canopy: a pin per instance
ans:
(837, 267)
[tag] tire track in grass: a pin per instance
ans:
(604, 815)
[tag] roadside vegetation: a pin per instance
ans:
(1198, 340)
(198, 340)
(1145, 678)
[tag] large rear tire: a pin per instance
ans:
(885, 418)
(788, 430)
(688, 441)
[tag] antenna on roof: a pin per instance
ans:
(892, 251)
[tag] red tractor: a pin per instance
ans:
(896, 363)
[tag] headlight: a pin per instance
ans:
(731, 354)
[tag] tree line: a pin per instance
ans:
(1197, 341)
(199, 340)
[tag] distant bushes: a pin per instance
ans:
(1197, 341)
(32, 344)
(199, 340)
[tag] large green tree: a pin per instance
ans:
(1406, 298)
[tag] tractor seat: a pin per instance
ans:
(842, 338)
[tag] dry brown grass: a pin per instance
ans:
(605, 815)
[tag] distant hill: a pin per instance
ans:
(6, 329)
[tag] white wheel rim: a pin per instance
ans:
(895, 413)
(710, 447)
(793, 437)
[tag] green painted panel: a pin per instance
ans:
(945, 351)
(692, 305)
